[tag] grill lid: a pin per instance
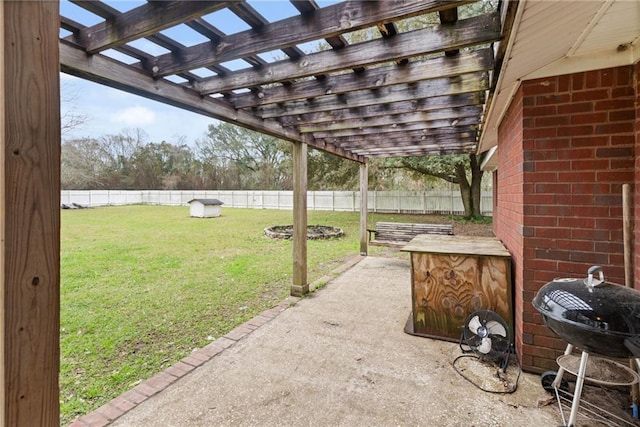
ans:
(591, 304)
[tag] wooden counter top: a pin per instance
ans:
(463, 245)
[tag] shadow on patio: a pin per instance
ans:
(338, 357)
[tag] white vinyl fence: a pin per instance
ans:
(438, 202)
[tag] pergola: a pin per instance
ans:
(400, 93)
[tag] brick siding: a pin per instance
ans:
(636, 196)
(508, 200)
(566, 147)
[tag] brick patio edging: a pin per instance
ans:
(122, 404)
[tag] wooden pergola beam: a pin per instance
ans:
(401, 107)
(468, 83)
(372, 78)
(421, 153)
(408, 148)
(400, 133)
(428, 119)
(472, 31)
(449, 16)
(103, 70)
(29, 213)
(143, 21)
(405, 139)
(328, 21)
(307, 8)
(389, 85)
(107, 12)
(420, 150)
(111, 14)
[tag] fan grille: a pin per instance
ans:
(487, 334)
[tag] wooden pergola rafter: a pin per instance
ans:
(403, 73)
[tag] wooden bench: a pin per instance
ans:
(400, 233)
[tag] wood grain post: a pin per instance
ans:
(300, 286)
(629, 268)
(29, 213)
(627, 234)
(364, 196)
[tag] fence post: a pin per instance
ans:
(451, 198)
(424, 202)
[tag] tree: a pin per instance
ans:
(125, 162)
(163, 165)
(70, 118)
(251, 160)
(329, 172)
(117, 153)
(81, 164)
(461, 169)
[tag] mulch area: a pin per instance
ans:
(470, 229)
(462, 228)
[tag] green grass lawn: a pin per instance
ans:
(142, 286)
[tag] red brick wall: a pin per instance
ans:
(636, 196)
(577, 149)
(508, 199)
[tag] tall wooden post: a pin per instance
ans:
(364, 196)
(29, 213)
(300, 286)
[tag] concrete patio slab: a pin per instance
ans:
(339, 357)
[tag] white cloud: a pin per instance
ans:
(134, 116)
(111, 111)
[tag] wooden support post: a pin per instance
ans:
(629, 267)
(300, 286)
(364, 196)
(29, 213)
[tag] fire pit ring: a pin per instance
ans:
(314, 232)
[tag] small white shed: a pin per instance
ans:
(205, 208)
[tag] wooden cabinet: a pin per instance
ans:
(453, 276)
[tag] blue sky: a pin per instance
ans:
(110, 111)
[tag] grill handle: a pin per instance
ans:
(593, 270)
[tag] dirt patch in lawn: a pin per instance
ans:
(471, 229)
(462, 227)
